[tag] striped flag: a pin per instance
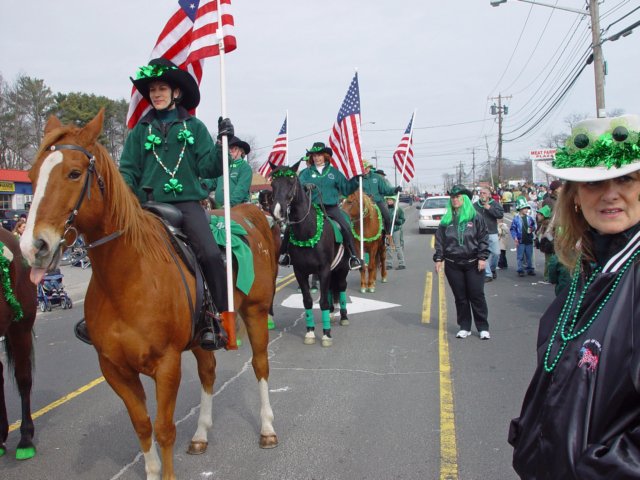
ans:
(188, 37)
(278, 152)
(405, 149)
(345, 136)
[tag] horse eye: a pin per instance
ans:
(74, 174)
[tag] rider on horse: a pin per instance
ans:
(240, 175)
(328, 185)
(377, 188)
(170, 151)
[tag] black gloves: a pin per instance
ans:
(225, 127)
(398, 189)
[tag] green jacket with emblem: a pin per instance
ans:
(400, 218)
(331, 184)
(376, 187)
(139, 167)
(240, 176)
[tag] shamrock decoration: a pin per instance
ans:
(149, 71)
(173, 186)
(152, 141)
(186, 136)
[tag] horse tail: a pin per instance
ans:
(11, 359)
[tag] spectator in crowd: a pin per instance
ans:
(19, 227)
(523, 228)
(491, 211)
(462, 245)
(580, 417)
(503, 238)
(398, 237)
(552, 195)
(544, 237)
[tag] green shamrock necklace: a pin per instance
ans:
(184, 136)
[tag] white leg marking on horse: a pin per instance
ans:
(205, 420)
(26, 241)
(152, 463)
(266, 414)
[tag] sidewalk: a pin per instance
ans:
(75, 281)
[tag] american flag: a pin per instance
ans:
(188, 37)
(405, 149)
(278, 152)
(345, 136)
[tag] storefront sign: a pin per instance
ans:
(7, 186)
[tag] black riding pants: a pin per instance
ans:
(386, 215)
(195, 225)
(467, 285)
(336, 214)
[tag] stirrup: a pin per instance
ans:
(354, 263)
(80, 329)
(284, 260)
(213, 336)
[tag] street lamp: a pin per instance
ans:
(598, 61)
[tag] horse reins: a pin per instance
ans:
(86, 191)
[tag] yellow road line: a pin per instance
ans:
(433, 241)
(448, 451)
(426, 301)
(60, 401)
(283, 282)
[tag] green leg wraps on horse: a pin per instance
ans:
(343, 300)
(308, 313)
(326, 320)
(25, 453)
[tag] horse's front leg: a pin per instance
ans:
(307, 301)
(206, 362)
(325, 284)
(128, 387)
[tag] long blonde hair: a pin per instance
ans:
(570, 238)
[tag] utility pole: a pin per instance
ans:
(473, 166)
(499, 110)
(598, 59)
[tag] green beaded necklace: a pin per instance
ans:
(5, 280)
(567, 320)
(311, 242)
(184, 136)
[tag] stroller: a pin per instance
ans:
(51, 292)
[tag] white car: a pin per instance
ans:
(431, 212)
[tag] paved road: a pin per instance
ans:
(394, 398)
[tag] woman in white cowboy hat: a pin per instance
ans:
(580, 417)
(169, 151)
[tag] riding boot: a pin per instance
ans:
(81, 332)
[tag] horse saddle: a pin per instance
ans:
(204, 312)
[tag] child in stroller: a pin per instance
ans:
(51, 292)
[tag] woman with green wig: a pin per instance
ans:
(462, 244)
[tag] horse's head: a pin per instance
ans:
(351, 205)
(66, 188)
(285, 186)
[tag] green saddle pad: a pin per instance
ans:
(336, 230)
(239, 248)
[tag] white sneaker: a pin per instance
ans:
(464, 334)
(484, 335)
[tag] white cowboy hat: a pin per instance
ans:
(598, 149)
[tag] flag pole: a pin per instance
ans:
(361, 194)
(230, 323)
(286, 151)
(404, 165)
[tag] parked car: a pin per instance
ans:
(10, 217)
(431, 212)
(406, 198)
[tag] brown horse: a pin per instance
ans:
(137, 308)
(373, 239)
(17, 314)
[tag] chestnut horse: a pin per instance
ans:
(137, 305)
(18, 302)
(373, 239)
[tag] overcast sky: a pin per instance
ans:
(443, 58)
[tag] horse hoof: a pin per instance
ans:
(327, 341)
(25, 453)
(197, 447)
(3, 450)
(309, 338)
(344, 322)
(372, 290)
(363, 290)
(269, 441)
(384, 280)
(270, 323)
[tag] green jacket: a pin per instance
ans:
(240, 176)
(400, 218)
(376, 187)
(331, 184)
(140, 168)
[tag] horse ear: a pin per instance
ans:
(52, 123)
(92, 130)
(272, 165)
(295, 166)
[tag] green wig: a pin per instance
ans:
(465, 213)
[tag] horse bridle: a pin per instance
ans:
(290, 199)
(86, 191)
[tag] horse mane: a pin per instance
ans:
(141, 230)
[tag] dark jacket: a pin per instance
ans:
(139, 167)
(582, 420)
(559, 275)
(490, 215)
(475, 242)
